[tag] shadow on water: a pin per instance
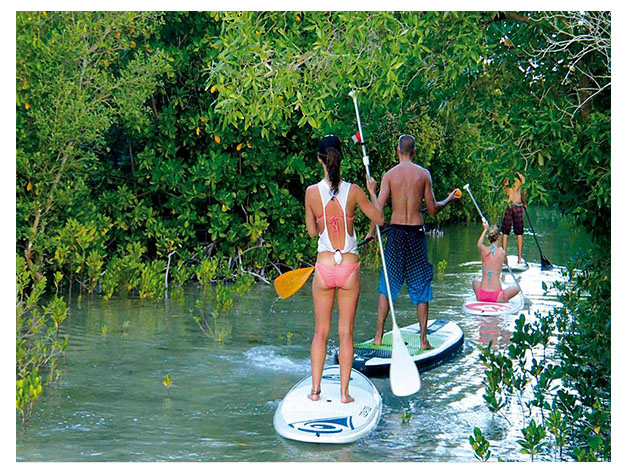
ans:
(111, 405)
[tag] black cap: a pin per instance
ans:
(329, 141)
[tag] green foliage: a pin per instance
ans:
(532, 441)
(224, 301)
(406, 417)
(206, 272)
(78, 75)
(28, 389)
(38, 345)
(287, 336)
(558, 369)
(480, 445)
(152, 283)
(79, 251)
(124, 271)
(441, 267)
(167, 381)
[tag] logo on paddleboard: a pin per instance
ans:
(333, 377)
(487, 307)
(333, 425)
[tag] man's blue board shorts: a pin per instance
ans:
(407, 261)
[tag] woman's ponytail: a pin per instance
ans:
(330, 152)
(332, 161)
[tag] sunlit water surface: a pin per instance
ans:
(111, 405)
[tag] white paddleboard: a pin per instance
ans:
(474, 307)
(514, 265)
(444, 335)
(328, 420)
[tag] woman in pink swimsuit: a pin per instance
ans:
(492, 259)
(329, 210)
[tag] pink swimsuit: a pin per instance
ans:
(484, 295)
(334, 275)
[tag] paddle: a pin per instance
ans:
(544, 262)
(404, 376)
(291, 282)
(467, 188)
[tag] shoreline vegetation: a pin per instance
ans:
(155, 149)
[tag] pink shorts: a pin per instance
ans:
(484, 295)
(336, 276)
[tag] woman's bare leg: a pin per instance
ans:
(323, 298)
(510, 292)
(382, 313)
(347, 299)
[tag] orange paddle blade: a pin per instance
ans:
(289, 283)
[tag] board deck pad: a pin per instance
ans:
(444, 335)
(474, 307)
(411, 339)
(328, 420)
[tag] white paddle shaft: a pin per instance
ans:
(467, 188)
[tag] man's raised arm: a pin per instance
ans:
(433, 206)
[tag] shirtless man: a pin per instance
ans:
(514, 213)
(406, 247)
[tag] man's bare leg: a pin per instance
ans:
(505, 242)
(519, 242)
(423, 318)
(382, 313)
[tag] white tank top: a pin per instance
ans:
(324, 241)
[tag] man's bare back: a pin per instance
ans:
(513, 193)
(408, 184)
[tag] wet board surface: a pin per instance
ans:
(474, 307)
(328, 420)
(445, 336)
(515, 266)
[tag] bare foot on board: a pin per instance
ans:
(314, 395)
(377, 339)
(346, 399)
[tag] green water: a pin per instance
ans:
(110, 404)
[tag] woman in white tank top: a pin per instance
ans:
(329, 208)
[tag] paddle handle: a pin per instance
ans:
(365, 157)
(467, 188)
